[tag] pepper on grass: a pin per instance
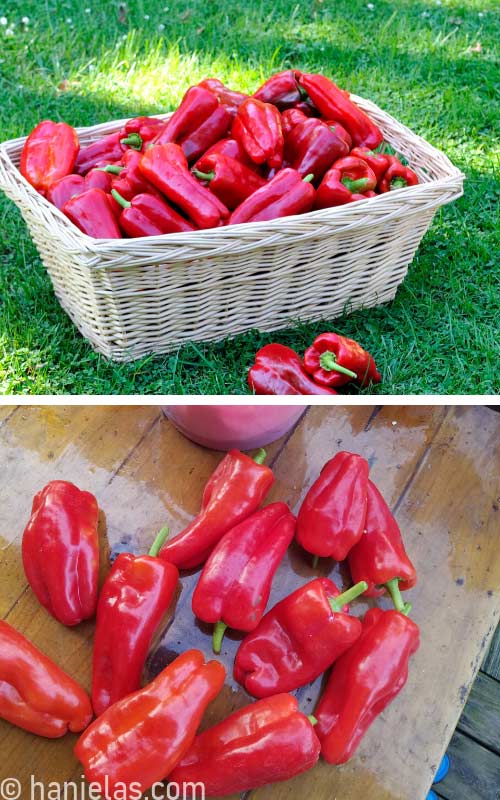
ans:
(265, 742)
(332, 516)
(108, 149)
(234, 491)
(334, 360)
(278, 370)
(347, 178)
(257, 126)
(65, 188)
(229, 98)
(285, 194)
(167, 168)
(60, 551)
(363, 682)
(235, 583)
(49, 153)
(36, 694)
(397, 176)
(313, 145)
(137, 741)
(146, 215)
(379, 557)
(92, 212)
(230, 180)
(298, 639)
(281, 90)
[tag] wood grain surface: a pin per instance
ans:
(438, 467)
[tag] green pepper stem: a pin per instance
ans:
(315, 562)
(395, 592)
(398, 183)
(203, 176)
(354, 186)
(260, 457)
(119, 199)
(218, 635)
(114, 169)
(159, 541)
(133, 140)
(328, 361)
(337, 603)
(308, 178)
(312, 719)
(406, 610)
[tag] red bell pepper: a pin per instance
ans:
(332, 516)
(281, 89)
(197, 105)
(336, 104)
(290, 118)
(92, 212)
(230, 99)
(348, 177)
(60, 551)
(166, 167)
(285, 194)
(262, 743)
(228, 179)
(70, 186)
(138, 131)
(145, 215)
(208, 133)
(298, 639)
(139, 739)
(334, 360)
(397, 176)
(257, 126)
(227, 147)
(364, 681)
(127, 178)
(235, 582)
(36, 694)
(234, 491)
(378, 162)
(133, 601)
(379, 557)
(49, 153)
(313, 146)
(278, 370)
(107, 150)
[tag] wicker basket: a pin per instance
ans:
(131, 297)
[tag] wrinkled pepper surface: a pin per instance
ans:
(127, 178)
(281, 90)
(378, 162)
(49, 153)
(138, 131)
(65, 188)
(397, 176)
(230, 180)
(93, 213)
(257, 126)
(285, 194)
(313, 145)
(347, 178)
(334, 360)
(278, 370)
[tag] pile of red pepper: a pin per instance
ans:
(143, 735)
(298, 144)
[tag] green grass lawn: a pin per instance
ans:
(433, 65)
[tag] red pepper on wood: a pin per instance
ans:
(60, 551)
(334, 360)
(278, 370)
(364, 681)
(49, 153)
(92, 212)
(70, 186)
(145, 215)
(108, 149)
(235, 582)
(234, 491)
(137, 741)
(36, 694)
(228, 179)
(298, 639)
(379, 557)
(133, 601)
(313, 146)
(264, 742)
(230, 99)
(332, 516)
(281, 90)
(257, 126)
(347, 178)
(285, 194)
(397, 176)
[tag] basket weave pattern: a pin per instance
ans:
(131, 297)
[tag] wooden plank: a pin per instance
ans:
(481, 716)
(491, 664)
(474, 772)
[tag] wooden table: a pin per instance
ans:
(438, 467)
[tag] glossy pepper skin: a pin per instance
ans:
(92, 212)
(334, 360)
(227, 147)
(60, 551)
(133, 601)
(70, 186)
(146, 215)
(230, 99)
(347, 178)
(257, 126)
(333, 103)
(139, 739)
(278, 370)
(234, 586)
(281, 90)
(397, 176)
(364, 681)
(107, 149)
(297, 640)
(235, 490)
(264, 742)
(290, 118)
(285, 194)
(127, 178)
(167, 169)
(137, 132)
(332, 516)
(49, 153)
(228, 179)
(313, 146)
(208, 133)
(36, 694)
(378, 162)
(197, 105)
(379, 557)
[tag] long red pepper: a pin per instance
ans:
(235, 583)
(36, 694)
(197, 105)
(364, 681)
(313, 145)
(127, 178)
(287, 193)
(133, 601)
(265, 742)
(65, 188)
(49, 153)
(235, 490)
(93, 213)
(257, 126)
(146, 215)
(334, 360)
(208, 133)
(230, 99)
(332, 516)
(227, 147)
(298, 639)
(281, 90)
(379, 557)
(278, 370)
(60, 551)
(107, 149)
(227, 178)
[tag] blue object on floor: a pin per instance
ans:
(443, 769)
(432, 796)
